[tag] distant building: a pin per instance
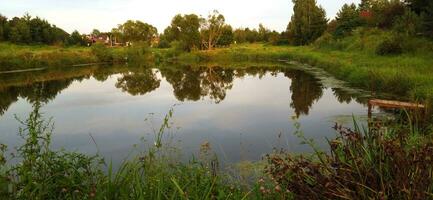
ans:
(102, 39)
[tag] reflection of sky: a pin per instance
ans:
(244, 125)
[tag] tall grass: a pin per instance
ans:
(155, 173)
(363, 163)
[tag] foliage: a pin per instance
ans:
(102, 52)
(308, 22)
(28, 30)
(408, 24)
(391, 46)
(212, 29)
(46, 174)
(76, 39)
(185, 29)
(226, 37)
(376, 163)
(424, 8)
(136, 31)
(347, 19)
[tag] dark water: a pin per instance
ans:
(243, 113)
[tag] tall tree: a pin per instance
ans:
(137, 31)
(308, 22)
(347, 19)
(3, 27)
(226, 36)
(75, 39)
(211, 29)
(424, 8)
(186, 30)
(263, 33)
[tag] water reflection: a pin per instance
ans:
(37, 92)
(305, 91)
(237, 109)
(138, 83)
(193, 83)
(189, 83)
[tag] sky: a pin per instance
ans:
(85, 15)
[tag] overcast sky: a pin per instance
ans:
(85, 15)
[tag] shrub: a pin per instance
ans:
(379, 163)
(163, 44)
(326, 40)
(46, 174)
(391, 46)
(102, 53)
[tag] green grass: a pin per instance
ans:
(15, 57)
(408, 76)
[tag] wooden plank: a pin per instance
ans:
(22, 70)
(395, 104)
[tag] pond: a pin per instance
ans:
(243, 112)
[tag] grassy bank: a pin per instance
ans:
(15, 57)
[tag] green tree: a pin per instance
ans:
(20, 30)
(239, 35)
(227, 36)
(3, 27)
(308, 22)
(96, 32)
(424, 8)
(76, 39)
(186, 30)
(347, 19)
(408, 24)
(211, 29)
(136, 31)
(251, 35)
(263, 34)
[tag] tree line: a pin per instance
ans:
(34, 30)
(408, 17)
(190, 31)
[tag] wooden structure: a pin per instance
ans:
(392, 104)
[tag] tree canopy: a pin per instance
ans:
(308, 22)
(28, 30)
(186, 30)
(136, 31)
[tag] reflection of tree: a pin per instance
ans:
(342, 96)
(193, 83)
(138, 83)
(36, 92)
(305, 91)
(216, 81)
(7, 97)
(185, 82)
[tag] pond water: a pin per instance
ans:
(242, 112)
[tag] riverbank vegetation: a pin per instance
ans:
(383, 46)
(392, 163)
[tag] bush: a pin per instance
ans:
(326, 40)
(391, 46)
(163, 44)
(378, 163)
(102, 53)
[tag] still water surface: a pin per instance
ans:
(243, 113)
